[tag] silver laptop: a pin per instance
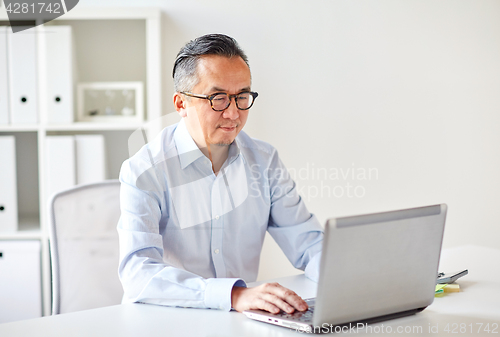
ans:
(374, 267)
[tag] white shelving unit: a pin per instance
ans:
(111, 44)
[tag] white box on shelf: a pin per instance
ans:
(8, 184)
(22, 77)
(90, 159)
(60, 164)
(55, 46)
(114, 102)
(20, 281)
(4, 80)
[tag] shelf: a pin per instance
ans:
(93, 126)
(19, 128)
(73, 127)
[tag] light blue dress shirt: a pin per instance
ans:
(187, 236)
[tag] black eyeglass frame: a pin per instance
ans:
(211, 97)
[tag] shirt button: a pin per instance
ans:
(216, 251)
(216, 217)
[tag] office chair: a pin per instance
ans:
(84, 247)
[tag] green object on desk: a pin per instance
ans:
(439, 288)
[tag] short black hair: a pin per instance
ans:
(184, 72)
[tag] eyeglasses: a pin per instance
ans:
(221, 101)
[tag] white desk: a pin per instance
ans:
(479, 302)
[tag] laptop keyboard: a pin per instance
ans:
(303, 316)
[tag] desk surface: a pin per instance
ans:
(476, 305)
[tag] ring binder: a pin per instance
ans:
(22, 77)
(4, 86)
(8, 188)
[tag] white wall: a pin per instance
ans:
(409, 89)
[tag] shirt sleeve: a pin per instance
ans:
(144, 275)
(297, 232)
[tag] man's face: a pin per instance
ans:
(217, 74)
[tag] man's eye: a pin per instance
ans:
(219, 99)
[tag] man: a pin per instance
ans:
(197, 200)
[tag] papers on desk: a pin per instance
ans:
(452, 288)
(439, 288)
(447, 288)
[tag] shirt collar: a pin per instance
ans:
(189, 152)
(187, 149)
(234, 151)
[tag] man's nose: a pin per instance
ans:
(231, 111)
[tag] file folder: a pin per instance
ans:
(56, 52)
(90, 159)
(60, 163)
(22, 77)
(8, 184)
(4, 87)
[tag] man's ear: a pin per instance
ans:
(180, 104)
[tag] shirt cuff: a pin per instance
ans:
(218, 292)
(312, 268)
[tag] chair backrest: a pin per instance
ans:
(84, 247)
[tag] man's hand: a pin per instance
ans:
(268, 296)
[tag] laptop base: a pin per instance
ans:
(277, 319)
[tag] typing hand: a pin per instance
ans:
(269, 297)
